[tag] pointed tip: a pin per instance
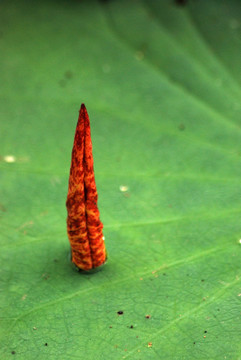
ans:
(82, 107)
(83, 110)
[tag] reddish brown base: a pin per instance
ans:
(84, 227)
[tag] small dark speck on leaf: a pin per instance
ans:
(181, 2)
(164, 274)
(45, 276)
(148, 316)
(181, 127)
(13, 352)
(120, 312)
(202, 280)
(205, 332)
(194, 343)
(68, 75)
(46, 344)
(131, 327)
(110, 327)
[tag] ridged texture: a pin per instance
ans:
(84, 227)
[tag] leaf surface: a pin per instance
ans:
(161, 83)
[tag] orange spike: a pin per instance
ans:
(84, 227)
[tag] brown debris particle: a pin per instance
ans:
(45, 276)
(68, 74)
(181, 127)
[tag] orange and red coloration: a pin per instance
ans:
(84, 227)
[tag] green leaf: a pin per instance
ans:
(161, 82)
